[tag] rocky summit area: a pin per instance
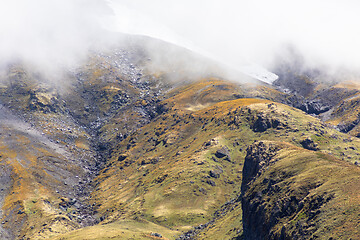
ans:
(147, 140)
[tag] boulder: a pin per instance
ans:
(223, 153)
(309, 144)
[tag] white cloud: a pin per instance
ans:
(325, 31)
(55, 33)
(49, 33)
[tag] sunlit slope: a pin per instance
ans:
(181, 168)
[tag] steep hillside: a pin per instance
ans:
(67, 132)
(55, 130)
(292, 193)
(137, 145)
(41, 183)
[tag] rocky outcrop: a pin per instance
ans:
(223, 152)
(273, 206)
(348, 126)
(310, 106)
(262, 123)
(259, 155)
(309, 144)
(43, 99)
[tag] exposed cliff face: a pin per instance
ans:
(258, 157)
(289, 193)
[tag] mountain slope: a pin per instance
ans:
(137, 144)
(182, 168)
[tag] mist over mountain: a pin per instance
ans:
(160, 119)
(238, 34)
(325, 32)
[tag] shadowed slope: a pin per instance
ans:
(292, 193)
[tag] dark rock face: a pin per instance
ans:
(347, 127)
(310, 106)
(268, 198)
(122, 157)
(259, 156)
(263, 123)
(314, 107)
